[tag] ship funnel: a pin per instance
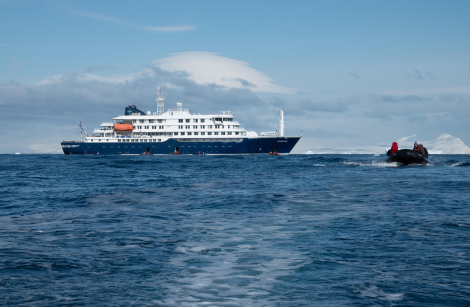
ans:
(281, 123)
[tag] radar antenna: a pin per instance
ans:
(160, 101)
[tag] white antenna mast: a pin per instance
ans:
(281, 123)
(160, 102)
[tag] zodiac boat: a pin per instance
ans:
(406, 157)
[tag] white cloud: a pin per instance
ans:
(406, 138)
(208, 67)
(460, 90)
(127, 23)
(3, 45)
(202, 68)
(82, 77)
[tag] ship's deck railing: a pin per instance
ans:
(97, 129)
(178, 110)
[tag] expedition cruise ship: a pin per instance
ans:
(178, 132)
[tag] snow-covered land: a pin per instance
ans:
(445, 144)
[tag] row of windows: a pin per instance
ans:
(148, 127)
(204, 133)
(181, 140)
(150, 121)
(194, 120)
(189, 127)
(187, 133)
(141, 140)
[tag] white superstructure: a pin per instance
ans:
(174, 123)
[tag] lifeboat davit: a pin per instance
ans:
(123, 127)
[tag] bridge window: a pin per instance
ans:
(180, 120)
(188, 120)
(194, 120)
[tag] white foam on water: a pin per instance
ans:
(373, 164)
(352, 163)
(319, 165)
(384, 164)
(234, 265)
(456, 164)
(374, 292)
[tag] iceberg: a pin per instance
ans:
(446, 144)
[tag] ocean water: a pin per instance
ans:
(298, 230)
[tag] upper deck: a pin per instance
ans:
(136, 125)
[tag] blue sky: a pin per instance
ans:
(345, 71)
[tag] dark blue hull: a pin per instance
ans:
(261, 145)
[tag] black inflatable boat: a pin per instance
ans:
(407, 156)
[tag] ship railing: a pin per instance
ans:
(177, 110)
(269, 133)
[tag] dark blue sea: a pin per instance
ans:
(298, 230)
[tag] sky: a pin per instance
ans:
(348, 74)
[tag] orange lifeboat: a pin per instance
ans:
(123, 127)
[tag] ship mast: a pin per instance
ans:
(160, 102)
(81, 132)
